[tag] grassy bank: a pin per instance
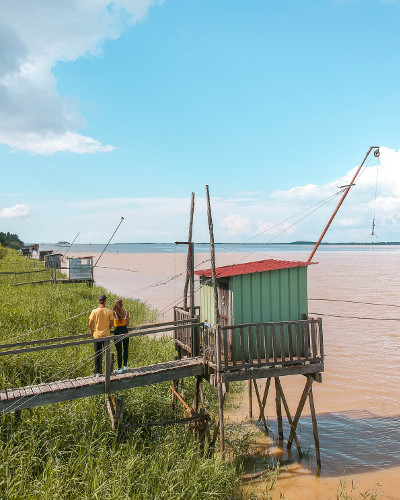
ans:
(68, 450)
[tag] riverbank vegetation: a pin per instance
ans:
(68, 450)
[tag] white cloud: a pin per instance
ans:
(236, 224)
(34, 36)
(17, 211)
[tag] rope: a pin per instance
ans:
(355, 317)
(358, 302)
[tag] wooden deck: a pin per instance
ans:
(65, 390)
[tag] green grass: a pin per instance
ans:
(68, 450)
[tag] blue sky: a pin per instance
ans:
(124, 108)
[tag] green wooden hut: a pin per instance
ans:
(256, 292)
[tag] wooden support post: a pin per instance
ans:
(278, 410)
(315, 428)
(217, 322)
(289, 417)
(188, 263)
(249, 390)
(109, 411)
(302, 402)
(196, 393)
(119, 412)
(260, 405)
(107, 348)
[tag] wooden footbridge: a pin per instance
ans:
(208, 352)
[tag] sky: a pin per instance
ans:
(125, 108)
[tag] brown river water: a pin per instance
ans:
(358, 402)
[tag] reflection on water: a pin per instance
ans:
(351, 443)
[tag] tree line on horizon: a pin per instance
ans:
(10, 240)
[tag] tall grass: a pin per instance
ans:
(68, 450)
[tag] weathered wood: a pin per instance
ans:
(258, 344)
(261, 416)
(107, 352)
(233, 347)
(266, 342)
(300, 407)
(188, 263)
(274, 371)
(250, 394)
(274, 344)
(87, 341)
(278, 385)
(314, 351)
(282, 342)
(91, 386)
(290, 342)
(250, 345)
(298, 342)
(242, 352)
(110, 412)
(315, 427)
(278, 411)
(190, 410)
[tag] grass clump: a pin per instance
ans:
(68, 450)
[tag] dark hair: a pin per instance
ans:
(119, 309)
(102, 299)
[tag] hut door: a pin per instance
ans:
(224, 303)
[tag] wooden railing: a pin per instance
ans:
(28, 346)
(264, 344)
(187, 336)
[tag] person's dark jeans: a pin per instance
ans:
(98, 357)
(121, 343)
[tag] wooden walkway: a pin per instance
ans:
(65, 390)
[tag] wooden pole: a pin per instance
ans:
(289, 417)
(278, 410)
(249, 390)
(107, 366)
(339, 204)
(315, 428)
(188, 263)
(218, 332)
(302, 402)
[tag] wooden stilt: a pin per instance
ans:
(249, 389)
(289, 417)
(196, 394)
(188, 264)
(261, 417)
(221, 397)
(278, 411)
(302, 402)
(265, 396)
(315, 428)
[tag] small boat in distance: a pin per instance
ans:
(63, 244)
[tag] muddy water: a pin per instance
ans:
(358, 403)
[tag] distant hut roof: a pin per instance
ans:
(252, 267)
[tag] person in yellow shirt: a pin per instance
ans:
(100, 322)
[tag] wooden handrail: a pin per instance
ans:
(92, 340)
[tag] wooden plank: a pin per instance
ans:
(321, 339)
(3, 396)
(45, 341)
(266, 343)
(282, 342)
(315, 428)
(290, 342)
(306, 341)
(250, 344)
(314, 352)
(300, 407)
(289, 417)
(258, 344)
(265, 372)
(274, 344)
(278, 406)
(225, 342)
(233, 346)
(243, 359)
(298, 342)
(261, 407)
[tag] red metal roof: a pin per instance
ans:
(252, 267)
